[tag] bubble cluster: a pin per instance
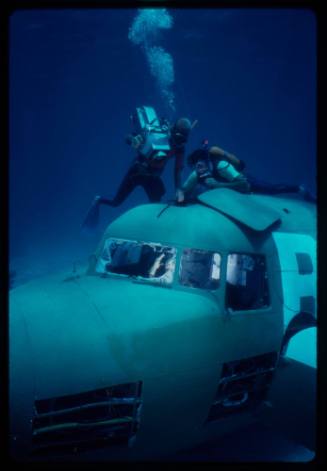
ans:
(147, 25)
(145, 32)
(161, 66)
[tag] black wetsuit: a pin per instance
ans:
(147, 174)
(265, 188)
(256, 185)
(136, 176)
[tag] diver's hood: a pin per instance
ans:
(196, 156)
(180, 131)
(183, 126)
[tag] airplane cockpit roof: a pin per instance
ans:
(216, 217)
(246, 209)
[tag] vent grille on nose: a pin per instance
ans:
(243, 384)
(98, 418)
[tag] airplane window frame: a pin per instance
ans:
(166, 253)
(210, 278)
(265, 289)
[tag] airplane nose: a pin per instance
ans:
(62, 334)
(61, 361)
(98, 330)
(73, 339)
(155, 329)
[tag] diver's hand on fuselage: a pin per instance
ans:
(180, 197)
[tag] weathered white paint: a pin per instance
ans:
(294, 284)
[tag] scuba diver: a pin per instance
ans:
(216, 168)
(155, 141)
(213, 168)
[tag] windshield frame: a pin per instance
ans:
(164, 258)
(218, 266)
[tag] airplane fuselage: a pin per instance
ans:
(119, 362)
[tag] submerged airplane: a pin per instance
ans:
(176, 333)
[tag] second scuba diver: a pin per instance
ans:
(155, 141)
(216, 168)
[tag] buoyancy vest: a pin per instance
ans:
(225, 171)
(216, 153)
(220, 170)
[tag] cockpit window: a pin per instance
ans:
(246, 282)
(149, 261)
(200, 269)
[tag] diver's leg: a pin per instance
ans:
(129, 182)
(91, 219)
(283, 188)
(154, 188)
(260, 186)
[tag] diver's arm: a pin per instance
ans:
(190, 182)
(238, 163)
(219, 152)
(179, 163)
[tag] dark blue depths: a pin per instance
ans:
(248, 76)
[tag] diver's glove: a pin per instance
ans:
(180, 196)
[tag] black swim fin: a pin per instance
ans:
(91, 219)
(306, 195)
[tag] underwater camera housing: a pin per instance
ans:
(155, 133)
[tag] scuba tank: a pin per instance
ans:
(208, 162)
(216, 153)
(152, 133)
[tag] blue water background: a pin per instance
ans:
(247, 75)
